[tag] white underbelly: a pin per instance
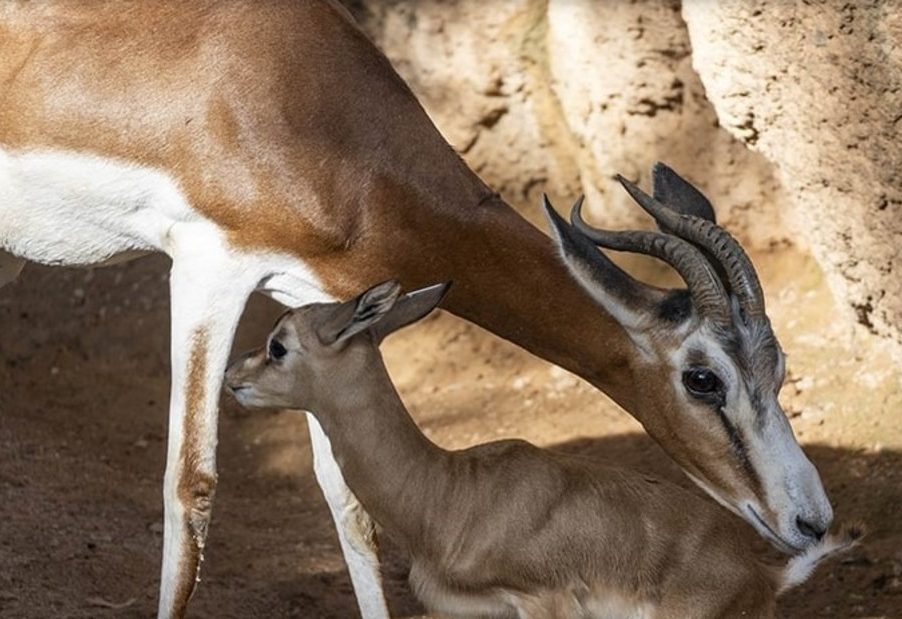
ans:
(76, 209)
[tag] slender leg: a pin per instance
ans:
(10, 267)
(356, 530)
(208, 295)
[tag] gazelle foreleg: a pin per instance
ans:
(356, 530)
(209, 290)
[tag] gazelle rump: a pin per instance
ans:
(270, 146)
(506, 529)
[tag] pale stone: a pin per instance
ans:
(817, 89)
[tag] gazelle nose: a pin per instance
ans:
(809, 529)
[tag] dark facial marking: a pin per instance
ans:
(676, 307)
(716, 399)
(737, 443)
(755, 350)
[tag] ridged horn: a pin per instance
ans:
(707, 292)
(726, 250)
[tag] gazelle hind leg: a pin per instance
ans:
(356, 530)
(209, 292)
(10, 267)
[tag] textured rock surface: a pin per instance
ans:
(817, 89)
(786, 115)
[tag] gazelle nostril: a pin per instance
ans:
(810, 530)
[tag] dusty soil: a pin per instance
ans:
(83, 392)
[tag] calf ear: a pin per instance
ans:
(410, 308)
(356, 315)
(679, 194)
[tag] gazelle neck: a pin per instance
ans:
(508, 278)
(556, 320)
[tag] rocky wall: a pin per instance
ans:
(816, 88)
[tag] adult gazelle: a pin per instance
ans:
(270, 146)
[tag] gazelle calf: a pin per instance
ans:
(505, 529)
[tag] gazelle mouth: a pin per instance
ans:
(765, 530)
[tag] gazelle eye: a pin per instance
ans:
(276, 350)
(701, 382)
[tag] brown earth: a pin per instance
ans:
(83, 392)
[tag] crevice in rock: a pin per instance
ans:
(863, 312)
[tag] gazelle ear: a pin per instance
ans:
(352, 317)
(679, 194)
(409, 308)
(629, 301)
(675, 192)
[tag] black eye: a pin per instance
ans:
(276, 350)
(702, 382)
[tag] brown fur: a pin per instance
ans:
(285, 126)
(196, 487)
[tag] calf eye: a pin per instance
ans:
(702, 382)
(276, 350)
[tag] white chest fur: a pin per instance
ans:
(77, 209)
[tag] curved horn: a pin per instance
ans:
(579, 251)
(718, 242)
(707, 292)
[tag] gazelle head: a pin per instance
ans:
(708, 366)
(314, 351)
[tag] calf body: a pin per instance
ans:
(503, 529)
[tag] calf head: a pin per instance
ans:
(315, 353)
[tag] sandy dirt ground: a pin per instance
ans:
(83, 393)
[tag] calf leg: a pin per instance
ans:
(356, 530)
(209, 292)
